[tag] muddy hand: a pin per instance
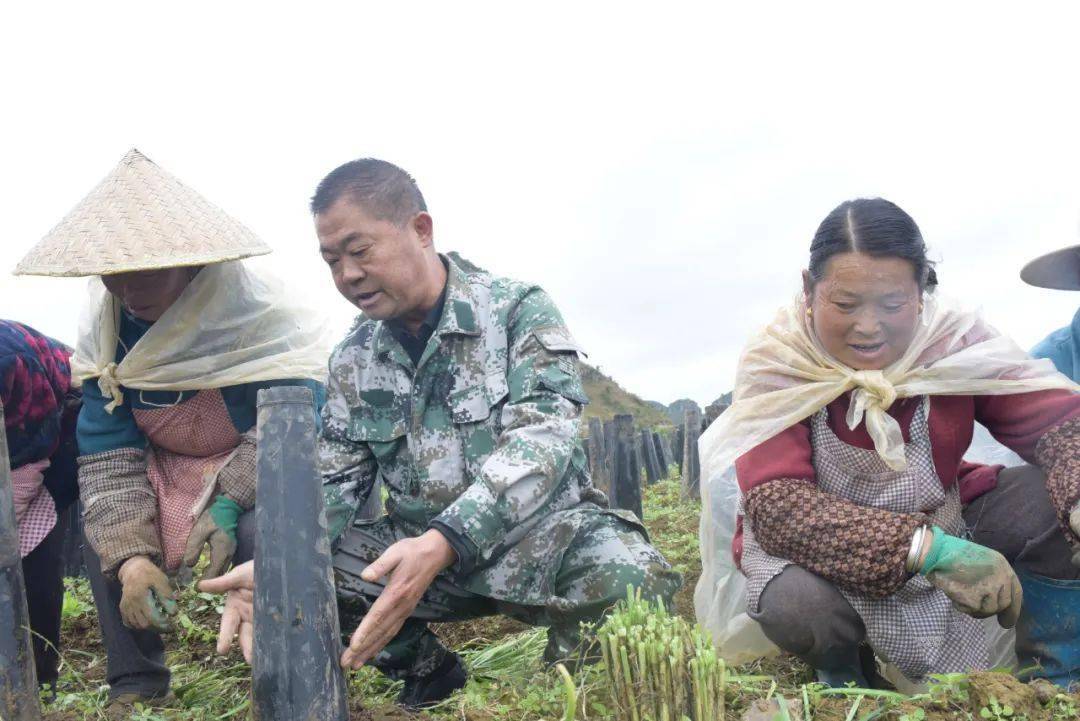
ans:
(411, 565)
(146, 596)
(978, 580)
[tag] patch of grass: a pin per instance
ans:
(673, 528)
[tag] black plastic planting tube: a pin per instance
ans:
(18, 679)
(296, 674)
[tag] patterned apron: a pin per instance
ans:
(190, 443)
(917, 629)
(40, 515)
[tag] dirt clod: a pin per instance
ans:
(989, 689)
(762, 710)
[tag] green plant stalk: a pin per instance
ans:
(723, 691)
(871, 692)
(570, 709)
(656, 659)
(615, 677)
(854, 708)
(785, 714)
(631, 697)
(665, 680)
(643, 680)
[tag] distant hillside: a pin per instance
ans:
(607, 398)
(676, 411)
(724, 400)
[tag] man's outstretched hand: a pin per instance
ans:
(238, 585)
(412, 565)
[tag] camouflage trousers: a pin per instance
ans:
(601, 556)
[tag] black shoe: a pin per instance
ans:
(422, 692)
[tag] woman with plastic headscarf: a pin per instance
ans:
(178, 336)
(859, 523)
(40, 409)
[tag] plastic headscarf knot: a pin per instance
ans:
(110, 387)
(872, 397)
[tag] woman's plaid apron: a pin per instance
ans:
(917, 629)
(189, 444)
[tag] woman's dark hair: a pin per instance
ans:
(876, 227)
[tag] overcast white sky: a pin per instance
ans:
(659, 169)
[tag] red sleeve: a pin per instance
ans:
(1020, 420)
(785, 455)
(975, 479)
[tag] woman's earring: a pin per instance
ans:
(809, 312)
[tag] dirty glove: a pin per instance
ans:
(978, 580)
(147, 598)
(216, 527)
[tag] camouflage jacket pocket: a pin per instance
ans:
(561, 376)
(381, 417)
(476, 403)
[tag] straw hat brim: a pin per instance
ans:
(140, 217)
(138, 265)
(1059, 270)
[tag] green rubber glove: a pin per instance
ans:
(216, 527)
(226, 514)
(978, 580)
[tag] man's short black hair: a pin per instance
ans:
(382, 188)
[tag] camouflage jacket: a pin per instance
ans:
(479, 439)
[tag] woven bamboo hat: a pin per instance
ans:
(139, 218)
(1059, 270)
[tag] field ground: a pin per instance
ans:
(508, 682)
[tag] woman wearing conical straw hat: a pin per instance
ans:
(177, 336)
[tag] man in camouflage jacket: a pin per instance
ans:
(460, 391)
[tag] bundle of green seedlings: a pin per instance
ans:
(659, 667)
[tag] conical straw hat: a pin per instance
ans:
(139, 218)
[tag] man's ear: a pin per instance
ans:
(424, 227)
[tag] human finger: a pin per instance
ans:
(230, 621)
(240, 577)
(379, 626)
(247, 639)
(381, 566)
